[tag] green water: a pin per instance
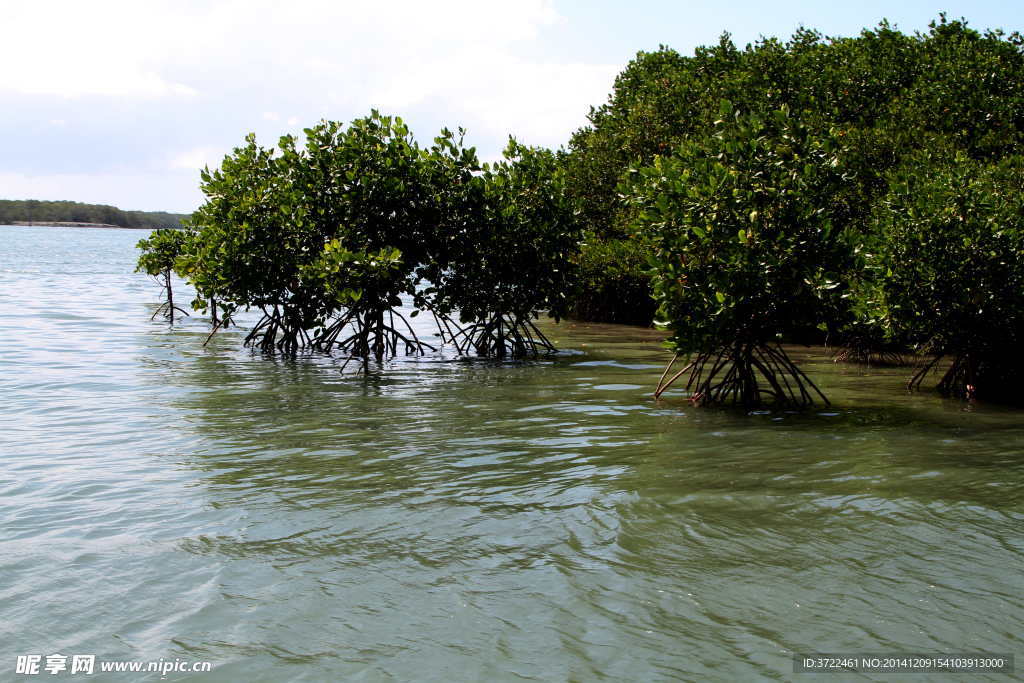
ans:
(452, 519)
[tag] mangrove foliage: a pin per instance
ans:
(861, 192)
(329, 240)
(920, 124)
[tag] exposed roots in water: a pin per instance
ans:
(219, 322)
(168, 306)
(361, 330)
(168, 310)
(746, 374)
(854, 354)
(498, 336)
(961, 379)
(364, 332)
(974, 374)
(278, 330)
(868, 347)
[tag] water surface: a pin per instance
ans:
(447, 519)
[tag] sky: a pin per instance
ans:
(121, 102)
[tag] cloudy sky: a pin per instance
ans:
(122, 101)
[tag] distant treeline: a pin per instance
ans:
(12, 211)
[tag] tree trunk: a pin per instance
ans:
(170, 295)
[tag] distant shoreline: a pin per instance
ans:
(45, 224)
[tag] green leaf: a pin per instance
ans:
(662, 204)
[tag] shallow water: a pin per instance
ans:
(452, 519)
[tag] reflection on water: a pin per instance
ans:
(460, 520)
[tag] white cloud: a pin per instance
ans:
(152, 87)
(193, 159)
(125, 48)
(500, 93)
(187, 79)
(75, 48)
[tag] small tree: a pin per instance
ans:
(744, 255)
(951, 272)
(508, 252)
(159, 258)
(327, 239)
(384, 199)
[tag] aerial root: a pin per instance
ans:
(744, 374)
(500, 336)
(166, 308)
(868, 346)
(915, 381)
(213, 332)
(362, 332)
(371, 332)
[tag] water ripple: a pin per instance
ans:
(460, 520)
